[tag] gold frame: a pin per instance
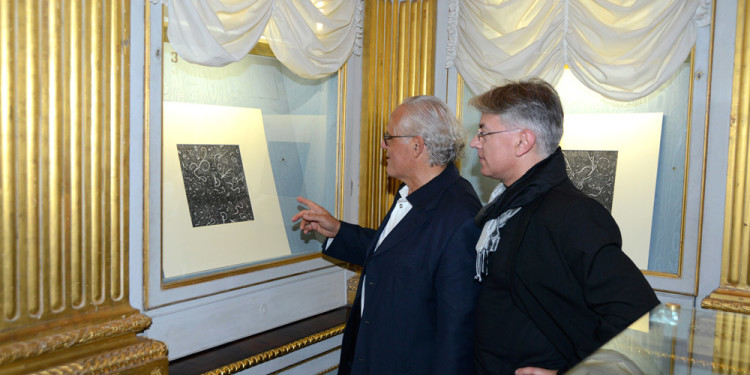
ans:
(263, 49)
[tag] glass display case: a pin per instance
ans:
(676, 340)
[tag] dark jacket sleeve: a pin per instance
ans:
(456, 294)
(351, 243)
(612, 285)
(575, 281)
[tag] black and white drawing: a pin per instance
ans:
(215, 184)
(593, 172)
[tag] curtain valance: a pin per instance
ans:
(311, 39)
(622, 49)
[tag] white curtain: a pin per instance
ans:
(312, 39)
(622, 49)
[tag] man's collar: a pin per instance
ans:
(426, 194)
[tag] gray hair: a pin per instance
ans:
(532, 104)
(429, 118)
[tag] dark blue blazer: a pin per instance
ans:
(420, 292)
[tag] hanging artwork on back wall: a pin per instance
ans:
(214, 184)
(220, 208)
(593, 172)
(613, 157)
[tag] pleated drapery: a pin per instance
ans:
(622, 49)
(312, 39)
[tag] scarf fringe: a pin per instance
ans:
(490, 239)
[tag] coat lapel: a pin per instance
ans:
(406, 227)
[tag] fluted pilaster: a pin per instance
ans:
(399, 61)
(64, 131)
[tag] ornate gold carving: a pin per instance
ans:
(277, 352)
(351, 284)
(716, 302)
(351, 288)
(30, 348)
(114, 361)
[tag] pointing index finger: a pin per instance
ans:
(307, 202)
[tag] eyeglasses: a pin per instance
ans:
(481, 134)
(387, 137)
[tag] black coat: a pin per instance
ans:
(565, 268)
(420, 293)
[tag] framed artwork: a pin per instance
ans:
(219, 205)
(614, 159)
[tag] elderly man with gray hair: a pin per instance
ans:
(414, 308)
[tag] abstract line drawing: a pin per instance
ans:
(593, 172)
(215, 184)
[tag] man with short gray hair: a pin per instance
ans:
(556, 284)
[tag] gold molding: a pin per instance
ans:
(306, 360)
(328, 370)
(140, 356)
(268, 355)
(341, 140)
(22, 349)
(725, 299)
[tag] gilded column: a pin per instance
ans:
(64, 131)
(398, 62)
(733, 293)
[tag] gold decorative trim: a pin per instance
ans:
(306, 360)
(63, 340)
(717, 302)
(328, 370)
(243, 270)
(268, 355)
(131, 357)
(351, 283)
(341, 140)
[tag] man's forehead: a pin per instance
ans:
(489, 118)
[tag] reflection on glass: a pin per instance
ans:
(672, 99)
(299, 123)
(676, 340)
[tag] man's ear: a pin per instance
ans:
(417, 146)
(525, 142)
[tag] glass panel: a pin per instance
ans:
(299, 126)
(675, 340)
(672, 99)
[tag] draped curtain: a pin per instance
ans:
(312, 39)
(622, 49)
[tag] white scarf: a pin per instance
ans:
(490, 237)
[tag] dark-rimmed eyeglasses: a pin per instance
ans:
(481, 134)
(387, 137)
